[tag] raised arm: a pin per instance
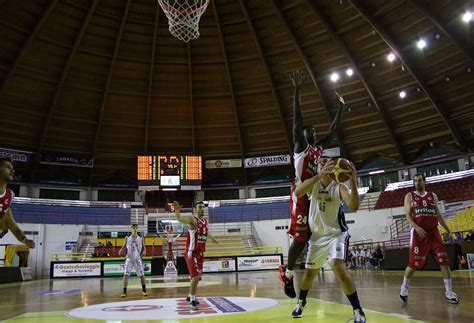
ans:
(351, 198)
(440, 217)
(307, 185)
(185, 219)
(335, 124)
(407, 206)
(17, 232)
(299, 141)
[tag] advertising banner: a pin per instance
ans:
(16, 155)
(80, 269)
(258, 262)
(224, 163)
(267, 161)
(67, 160)
(218, 265)
(117, 268)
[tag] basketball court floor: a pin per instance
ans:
(234, 297)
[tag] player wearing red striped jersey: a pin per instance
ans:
(7, 222)
(307, 151)
(421, 209)
(198, 232)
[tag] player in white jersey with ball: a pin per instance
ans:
(329, 232)
(135, 250)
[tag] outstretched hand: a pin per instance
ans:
(297, 78)
(328, 167)
(176, 206)
(353, 174)
(29, 243)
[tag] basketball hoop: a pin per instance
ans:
(183, 17)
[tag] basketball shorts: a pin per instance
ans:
(326, 248)
(420, 248)
(135, 265)
(194, 262)
(299, 209)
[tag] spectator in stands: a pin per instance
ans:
(447, 238)
(7, 222)
(377, 257)
(360, 257)
(109, 244)
(469, 235)
(458, 237)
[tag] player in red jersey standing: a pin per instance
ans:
(421, 209)
(7, 222)
(198, 233)
(307, 152)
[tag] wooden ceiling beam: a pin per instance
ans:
(191, 99)
(59, 88)
(232, 92)
(109, 79)
(268, 74)
(442, 26)
(229, 80)
(317, 84)
(410, 66)
(348, 54)
(27, 44)
(150, 79)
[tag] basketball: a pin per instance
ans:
(123, 251)
(341, 171)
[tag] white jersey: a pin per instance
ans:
(325, 214)
(134, 247)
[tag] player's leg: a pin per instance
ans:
(192, 261)
(417, 254)
(139, 270)
(441, 258)
(339, 246)
(299, 230)
(125, 284)
(315, 258)
(126, 275)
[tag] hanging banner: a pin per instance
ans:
(267, 161)
(224, 163)
(16, 155)
(67, 160)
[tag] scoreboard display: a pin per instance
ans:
(169, 171)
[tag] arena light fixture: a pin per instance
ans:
(391, 57)
(421, 43)
(402, 94)
(349, 72)
(377, 172)
(467, 17)
(334, 77)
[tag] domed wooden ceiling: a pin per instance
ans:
(106, 78)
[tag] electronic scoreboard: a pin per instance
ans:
(170, 171)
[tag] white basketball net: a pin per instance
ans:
(183, 17)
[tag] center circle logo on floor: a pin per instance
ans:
(171, 308)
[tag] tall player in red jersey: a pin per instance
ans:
(6, 196)
(307, 151)
(198, 232)
(421, 209)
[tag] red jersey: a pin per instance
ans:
(196, 240)
(306, 162)
(5, 201)
(423, 210)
